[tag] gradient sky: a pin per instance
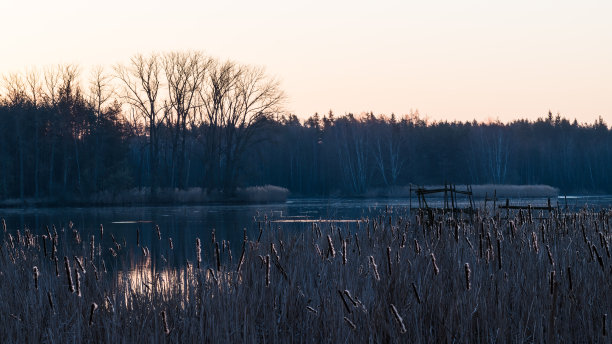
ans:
(449, 59)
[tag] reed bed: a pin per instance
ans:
(398, 278)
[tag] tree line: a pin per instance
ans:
(183, 119)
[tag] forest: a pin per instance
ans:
(184, 120)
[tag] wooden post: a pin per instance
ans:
(445, 196)
(508, 208)
(452, 198)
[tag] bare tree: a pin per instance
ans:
(185, 73)
(100, 92)
(141, 79)
(35, 90)
(237, 102)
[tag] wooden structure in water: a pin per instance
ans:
(450, 203)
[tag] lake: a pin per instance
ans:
(184, 223)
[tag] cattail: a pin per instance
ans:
(101, 232)
(346, 306)
(94, 306)
(550, 257)
(552, 282)
(480, 246)
(198, 252)
(357, 243)
(158, 231)
(267, 261)
(213, 236)
(398, 318)
(403, 242)
(44, 240)
(534, 239)
(417, 247)
(456, 227)
(218, 256)
(499, 257)
(604, 321)
(53, 248)
(242, 254)
(68, 274)
(95, 270)
(50, 300)
(165, 323)
(260, 231)
(344, 252)
(92, 248)
(350, 297)
(79, 263)
(375, 268)
(330, 251)
(389, 259)
(108, 304)
(310, 309)
(35, 269)
(274, 252)
(469, 243)
(350, 323)
(138, 237)
(3, 225)
(435, 266)
(599, 259)
(569, 277)
(468, 272)
(57, 273)
(117, 245)
(78, 282)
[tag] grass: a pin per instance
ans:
(541, 277)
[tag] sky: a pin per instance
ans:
(450, 60)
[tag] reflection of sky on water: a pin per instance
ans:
(184, 223)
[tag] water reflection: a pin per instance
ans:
(174, 244)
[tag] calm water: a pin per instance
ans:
(184, 223)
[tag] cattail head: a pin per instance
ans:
(165, 322)
(35, 271)
(331, 251)
(534, 239)
(398, 318)
(417, 247)
(78, 282)
(92, 248)
(198, 252)
(374, 268)
(50, 300)
(468, 272)
(68, 274)
(94, 306)
(550, 257)
(344, 251)
(435, 266)
(267, 262)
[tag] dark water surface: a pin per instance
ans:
(184, 223)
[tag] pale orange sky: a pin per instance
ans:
(449, 59)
